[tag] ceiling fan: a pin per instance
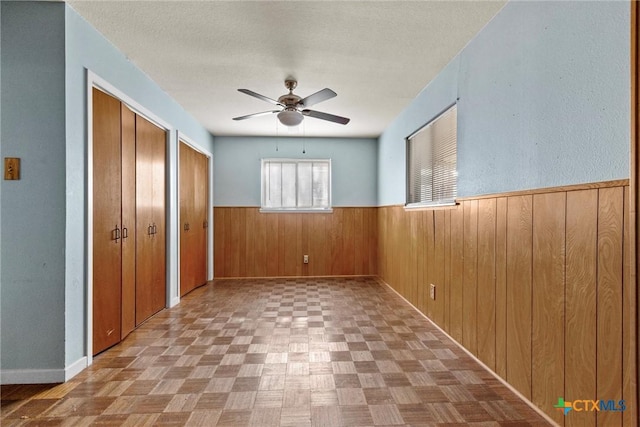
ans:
(293, 108)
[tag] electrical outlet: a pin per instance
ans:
(305, 259)
(432, 291)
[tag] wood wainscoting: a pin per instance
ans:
(249, 243)
(535, 284)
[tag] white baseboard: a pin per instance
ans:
(42, 376)
(174, 301)
(75, 368)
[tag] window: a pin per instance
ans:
(432, 173)
(292, 184)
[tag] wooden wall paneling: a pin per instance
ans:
(501, 287)
(401, 246)
(396, 237)
(419, 237)
(366, 240)
(609, 315)
(392, 254)
(405, 271)
(629, 338)
(457, 269)
(409, 261)
(272, 221)
(335, 233)
(581, 305)
(348, 241)
(260, 242)
(385, 222)
(107, 199)
(469, 291)
(291, 238)
(251, 218)
(438, 266)
(392, 248)
(240, 217)
(231, 247)
(429, 261)
(519, 257)
(284, 240)
(320, 256)
(128, 144)
(486, 318)
(219, 231)
(301, 239)
(374, 241)
(381, 229)
(548, 301)
(446, 292)
(360, 229)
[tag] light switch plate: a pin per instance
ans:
(11, 168)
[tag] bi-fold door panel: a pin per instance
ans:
(128, 221)
(107, 233)
(150, 219)
(201, 194)
(194, 173)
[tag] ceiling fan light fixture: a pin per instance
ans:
(290, 117)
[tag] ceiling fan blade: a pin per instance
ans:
(321, 95)
(248, 116)
(257, 95)
(325, 116)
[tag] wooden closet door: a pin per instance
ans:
(201, 213)
(107, 254)
(159, 292)
(128, 221)
(187, 279)
(150, 250)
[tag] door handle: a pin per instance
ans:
(186, 226)
(125, 233)
(205, 224)
(155, 230)
(116, 233)
(150, 230)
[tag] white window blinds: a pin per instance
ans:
(292, 184)
(432, 174)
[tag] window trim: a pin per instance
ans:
(432, 203)
(263, 209)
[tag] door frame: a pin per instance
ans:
(95, 81)
(181, 137)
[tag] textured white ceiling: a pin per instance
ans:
(376, 55)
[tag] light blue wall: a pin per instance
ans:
(32, 244)
(544, 101)
(87, 49)
(46, 49)
(237, 167)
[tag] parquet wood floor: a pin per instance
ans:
(278, 352)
